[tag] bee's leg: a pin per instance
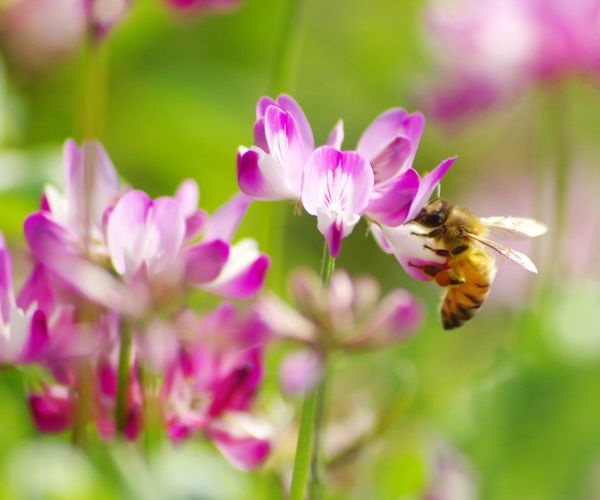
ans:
(438, 251)
(430, 234)
(443, 277)
(446, 277)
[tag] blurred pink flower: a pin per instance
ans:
(488, 50)
(78, 238)
(348, 315)
(67, 236)
(147, 241)
(102, 15)
(23, 332)
(204, 6)
(54, 408)
(39, 32)
(211, 385)
(451, 477)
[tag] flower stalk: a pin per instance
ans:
(308, 452)
(124, 369)
(94, 90)
(286, 55)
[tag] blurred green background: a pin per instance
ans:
(515, 391)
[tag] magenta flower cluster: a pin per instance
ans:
(376, 181)
(105, 308)
(110, 261)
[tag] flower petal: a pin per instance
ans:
(38, 338)
(288, 104)
(244, 440)
(53, 410)
(336, 137)
(188, 196)
(283, 320)
(428, 185)
(409, 250)
(37, 290)
(56, 248)
(391, 203)
(6, 283)
(339, 181)
(223, 224)
(300, 372)
(397, 317)
(379, 238)
(92, 184)
(125, 231)
(244, 274)
(392, 160)
(387, 127)
(286, 146)
(205, 261)
(169, 223)
(261, 176)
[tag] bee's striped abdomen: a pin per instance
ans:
(461, 302)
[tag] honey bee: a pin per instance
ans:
(462, 239)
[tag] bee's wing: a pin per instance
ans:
(512, 228)
(509, 253)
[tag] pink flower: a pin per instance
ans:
(390, 144)
(148, 242)
(204, 6)
(212, 385)
(67, 236)
(102, 15)
(336, 188)
(23, 332)
(54, 409)
(348, 315)
(273, 168)
(40, 32)
(510, 43)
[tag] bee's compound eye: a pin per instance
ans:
(432, 220)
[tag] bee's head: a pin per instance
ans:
(434, 214)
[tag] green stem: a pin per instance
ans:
(304, 447)
(316, 462)
(123, 378)
(327, 266)
(287, 53)
(94, 91)
(308, 454)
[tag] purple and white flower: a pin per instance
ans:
(337, 186)
(273, 168)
